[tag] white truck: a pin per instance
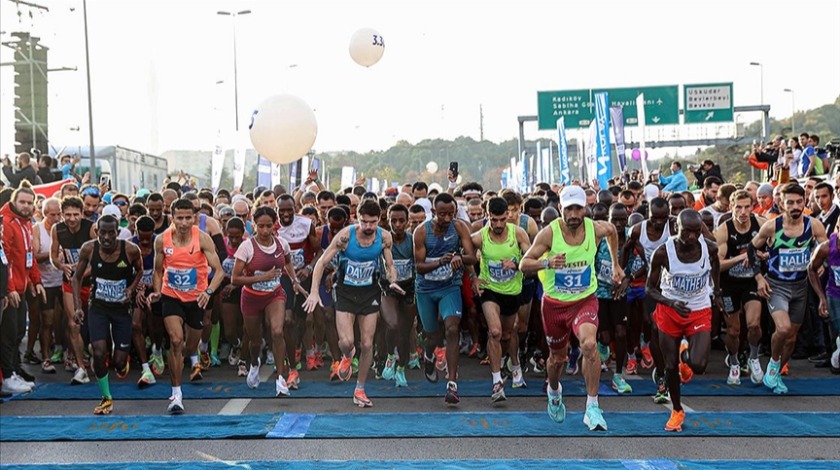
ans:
(125, 168)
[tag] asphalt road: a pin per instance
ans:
(679, 446)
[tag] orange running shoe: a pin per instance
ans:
(474, 350)
(676, 421)
(334, 371)
(360, 399)
(319, 358)
(785, 370)
(345, 369)
(440, 359)
(647, 358)
(294, 379)
(686, 373)
(311, 362)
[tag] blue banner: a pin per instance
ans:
(563, 152)
(263, 172)
(602, 139)
(617, 116)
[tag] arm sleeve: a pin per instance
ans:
(666, 179)
(219, 243)
(14, 178)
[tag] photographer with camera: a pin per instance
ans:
(707, 168)
(26, 170)
(771, 153)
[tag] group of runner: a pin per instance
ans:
(565, 279)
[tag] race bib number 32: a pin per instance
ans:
(182, 279)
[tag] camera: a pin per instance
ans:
(833, 147)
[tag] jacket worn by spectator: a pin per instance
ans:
(674, 183)
(15, 177)
(17, 242)
(713, 171)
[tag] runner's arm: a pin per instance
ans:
(819, 230)
(468, 257)
(136, 260)
(338, 244)
(420, 263)
(531, 262)
(390, 269)
(758, 242)
(76, 280)
(157, 277)
(721, 235)
(657, 262)
(714, 259)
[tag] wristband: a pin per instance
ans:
(453, 185)
(545, 263)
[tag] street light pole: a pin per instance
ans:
(92, 151)
(761, 71)
(792, 110)
(235, 72)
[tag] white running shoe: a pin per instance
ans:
(734, 375)
(15, 384)
(282, 390)
(756, 374)
(233, 357)
(80, 377)
(176, 406)
(24, 381)
(253, 379)
(518, 380)
(269, 358)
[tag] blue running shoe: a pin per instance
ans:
(771, 378)
(556, 409)
(603, 351)
(594, 418)
(389, 370)
(781, 388)
(399, 377)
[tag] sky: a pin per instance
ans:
(155, 64)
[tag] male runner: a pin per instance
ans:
(790, 239)
(739, 287)
(564, 253)
(116, 268)
(51, 278)
(183, 258)
(678, 282)
(141, 320)
(829, 307)
(359, 247)
(68, 236)
(158, 212)
(442, 247)
(499, 285)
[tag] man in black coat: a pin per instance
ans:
(26, 171)
(707, 168)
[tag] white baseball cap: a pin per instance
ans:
(572, 196)
(112, 210)
(651, 192)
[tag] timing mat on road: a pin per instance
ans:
(657, 464)
(407, 425)
(385, 389)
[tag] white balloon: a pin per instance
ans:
(283, 128)
(432, 167)
(366, 46)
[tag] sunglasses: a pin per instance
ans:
(120, 203)
(242, 216)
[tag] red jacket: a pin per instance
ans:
(14, 229)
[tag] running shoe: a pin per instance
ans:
(475, 350)
(537, 365)
(105, 407)
(146, 379)
(632, 367)
(785, 370)
(685, 370)
(620, 385)
(80, 377)
(485, 361)
(518, 380)
(835, 357)
(390, 367)
(414, 361)
(121, 374)
(647, 358)
(280, 387)
(269, 358)
(319, 358)
(294, 379)
(661, 395)
(360, 399)
(311, 362)
(195, 375)
(781, 388)
(242, 369)
(58, 353)
(70, 364)
(345, 369)
(429, 370)
(399, 377)
(235, 354)
(31, 358)
(594, 418)
(452, 397)
(47, 367)
(158, 364)
(298, 354)
(176, 406)
(334, 371)
(253, 379)
(354, 364)
(771, 378)
(756, 374)
(214, 360)
(556, 409)
(573, 366)
(603, 351)
(742, 360)
(440, 359)
(676, 420)
(204, 360)
(498, 392)
(734, 377)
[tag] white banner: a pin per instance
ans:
(218, 162)
(347, 177)
(640, 110)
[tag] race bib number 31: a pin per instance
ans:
(182, 279)
(572, 280)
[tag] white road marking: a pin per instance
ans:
(235, 406)
(686, 408)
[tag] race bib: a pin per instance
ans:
(605, 271)
(183, 280)
(29, 260)
(71, 256)
(297, 258)
(636, 264)
(147, 276)
(836, 271)
(108, 290)
(571, 281)
(227, 266)
(442, 273)
(498, 273)
(690, 285)
(405, 269)
(741, 272)
(265, 286)
(793, 260)
(359, 274)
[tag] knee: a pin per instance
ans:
(277, 332)
(176, 343)
(620, 335)
(366, 344)
(733, 330)
(588, 347)
(784, 329)
(495, 334)
(137, 328)
(119, 362)
(699, 364)
(99, 355)
(452, 331)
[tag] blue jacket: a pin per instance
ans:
(675, 182)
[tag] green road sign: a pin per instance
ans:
(661, 104)
(574, 105)
(709, 102)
